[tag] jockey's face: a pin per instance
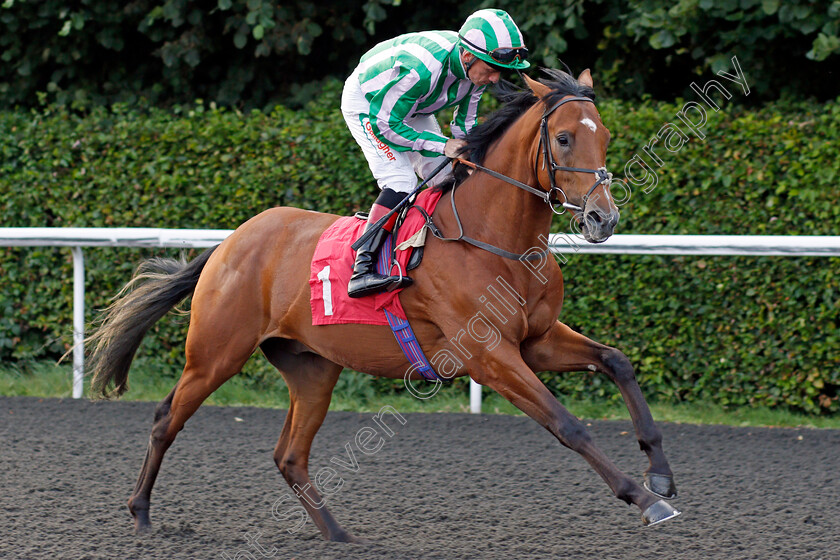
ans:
(481, 73)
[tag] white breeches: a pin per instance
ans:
(392, 169)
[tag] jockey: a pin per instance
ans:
(389, 103)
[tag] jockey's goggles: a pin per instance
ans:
(502, 55)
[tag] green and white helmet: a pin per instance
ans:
(492, 36)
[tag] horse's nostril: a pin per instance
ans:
(594, 217)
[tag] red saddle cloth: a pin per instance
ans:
(332, 266)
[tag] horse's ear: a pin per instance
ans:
(585, 78)
(539, 89)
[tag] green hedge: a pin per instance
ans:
(733, 330)
(256, 53)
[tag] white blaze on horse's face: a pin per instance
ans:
(590, 124)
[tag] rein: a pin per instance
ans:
(602, 176)
(475, 242)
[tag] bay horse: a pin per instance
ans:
(252, 292)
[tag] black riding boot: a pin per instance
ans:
(365, 279)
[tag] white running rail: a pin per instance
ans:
(76, 238)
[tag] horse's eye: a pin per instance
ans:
(563, 139)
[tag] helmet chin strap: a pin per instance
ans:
(468, 65)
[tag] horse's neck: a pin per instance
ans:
(498, 212)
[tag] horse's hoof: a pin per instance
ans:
(346, 537)
(659, 512)
(662, 485)
(142, 523)
(141, 526)
(359, 540)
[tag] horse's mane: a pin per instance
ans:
(515, 102)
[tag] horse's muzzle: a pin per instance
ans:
(597, 225)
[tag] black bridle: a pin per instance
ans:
(602, 177)
(601, 174)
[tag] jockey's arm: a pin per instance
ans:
(389, 108)
(465, 115)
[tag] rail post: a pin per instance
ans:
(78, 322)
(475, 397)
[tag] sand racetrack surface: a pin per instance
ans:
(446, 486)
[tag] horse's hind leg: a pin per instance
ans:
(562, 349)
(311, 379)
(206, 370)
(138, 503)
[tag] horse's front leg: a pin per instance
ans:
(561, 349)
(504, 371)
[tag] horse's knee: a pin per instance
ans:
(290, 466)
(618, 365)
(279, 461)
(574, 435)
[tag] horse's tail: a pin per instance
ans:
(157, 286)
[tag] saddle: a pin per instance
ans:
(416, 255)
(332, 265)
